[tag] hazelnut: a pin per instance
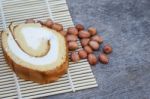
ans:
(72, 30)
(107, 49)
(71, 38)
(75, 57)
(85, 41)
(49, 23)
(79, 27)
(64, 33)
(103, 58)
(57, 27)
(92, 59)
(92, 30)
(88, 49)
(30, 21)
(72, 45)
(97, 38)
(82, 54)
(84, 34)
(94, 45)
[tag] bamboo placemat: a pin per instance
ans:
(79, 74)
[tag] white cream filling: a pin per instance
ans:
(33, 35)
(51, 56)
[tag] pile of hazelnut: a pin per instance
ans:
(90, 42)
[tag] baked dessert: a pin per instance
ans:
(35, 52)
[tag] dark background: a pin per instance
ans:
(125, 24)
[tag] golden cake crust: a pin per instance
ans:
(42, 77)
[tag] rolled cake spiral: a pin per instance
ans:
(35, 52)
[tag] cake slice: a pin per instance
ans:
(35, 52)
